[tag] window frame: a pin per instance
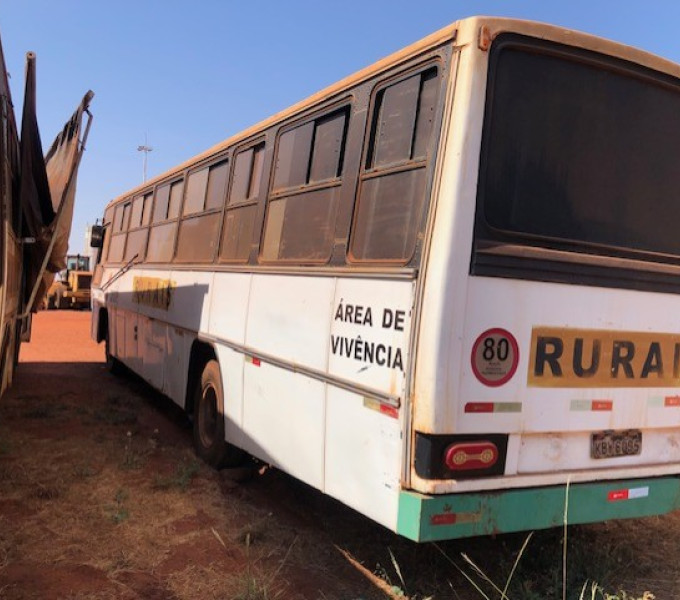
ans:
(147, 198)
(179, 178)
(343, 105)
(254, 200)
(503, 252)
(224, 158)
(119, 228)
(367, 173)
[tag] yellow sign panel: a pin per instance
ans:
(152, 291)
(595, 358)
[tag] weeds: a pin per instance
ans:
(597, 593)
(180, 479)
(534, 575)
(119, 513)
(47, 492)
(84, 471)
(132, 459)
(254, 586)
(254, 531)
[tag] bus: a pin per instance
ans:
(37, 195)
(442, 291)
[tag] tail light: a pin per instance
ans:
(460, 456)
(469, 456)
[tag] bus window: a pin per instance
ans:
(391, 198)
(199, 229)
(136, 244)
(121, 220)
(160, 210)
(176, 192)
(300, 222)
(217, 185)
(247, 174)
(161, 242)
(197, 239)
(237, 234)
(146, 213)
(241, 211)
(196, 186)
(137, 211)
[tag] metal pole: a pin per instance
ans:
(146, 149)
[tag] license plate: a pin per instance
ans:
(610, 444)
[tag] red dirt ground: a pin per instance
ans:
(102, 497)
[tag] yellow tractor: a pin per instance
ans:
(71, 287)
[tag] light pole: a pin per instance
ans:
(146, 149)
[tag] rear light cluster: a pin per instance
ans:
(468, 456)
(460, 456)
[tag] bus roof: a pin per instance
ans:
(472, 30)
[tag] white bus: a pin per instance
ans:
(442, 291)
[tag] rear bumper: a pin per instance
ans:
(425, 518)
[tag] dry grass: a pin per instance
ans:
(104, 491)
(110, 494)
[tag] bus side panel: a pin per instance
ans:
(283, 420)
(370, 333)
(132, 357)
(231, 367)
(153, 339)
(117, 328)
(283, 416)
(289, 317)
(178, 344)
(363, 456)
(190, 299)
(229, 306)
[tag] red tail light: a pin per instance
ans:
(468, 456)
(460, 456)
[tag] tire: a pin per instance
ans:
(209, 439)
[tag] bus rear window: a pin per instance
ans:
(579, 153)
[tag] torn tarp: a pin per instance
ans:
(48, 188)
(35, 202)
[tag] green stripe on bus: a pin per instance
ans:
(426, 518)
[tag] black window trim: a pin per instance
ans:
(343, 105)
(505, 253)
(260, 140)
(367, 173)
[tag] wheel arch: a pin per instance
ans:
(201, 352)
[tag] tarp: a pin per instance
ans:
(35, 202)
(48, 188)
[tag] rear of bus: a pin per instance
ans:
(547, 356)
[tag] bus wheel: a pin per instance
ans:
(209, 421)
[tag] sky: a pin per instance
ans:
(183, 76)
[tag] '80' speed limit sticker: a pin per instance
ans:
(495, 355)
